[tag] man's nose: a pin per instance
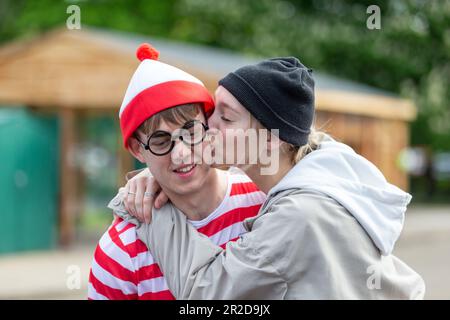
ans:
(181, 152)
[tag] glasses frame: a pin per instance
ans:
(180, 137)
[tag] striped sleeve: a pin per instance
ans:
(112, 275)
(124, 269)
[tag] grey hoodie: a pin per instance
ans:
(326, 231)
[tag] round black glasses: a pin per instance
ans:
(162, 142)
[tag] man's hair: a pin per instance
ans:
(177, 115)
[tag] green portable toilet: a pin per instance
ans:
(28, 180)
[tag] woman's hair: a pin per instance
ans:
(176, 115)
(296, 153)
(299, 152)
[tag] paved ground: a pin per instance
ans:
(46, 275)
(424, 245)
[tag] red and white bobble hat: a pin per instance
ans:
(156, 86)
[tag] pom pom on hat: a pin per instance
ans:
(146, 51)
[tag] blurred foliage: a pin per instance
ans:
(409, 55)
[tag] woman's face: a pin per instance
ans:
(231, 120)
(229, 113)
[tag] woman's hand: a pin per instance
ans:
(142, 194)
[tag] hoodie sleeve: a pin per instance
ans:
(302, 246)
(195, 268)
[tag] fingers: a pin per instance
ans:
(125, 202)
(153, 188)
(139, 198)
(141, 193)
(130, 198)
(161, 199)
(147, 208)
(148, 201)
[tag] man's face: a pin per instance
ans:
(182, 170)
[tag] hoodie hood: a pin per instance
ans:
(337, 171)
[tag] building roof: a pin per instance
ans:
(215, 60)
(90, 68)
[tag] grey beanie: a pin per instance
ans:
(279, 92)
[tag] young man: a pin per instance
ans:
(163, 119)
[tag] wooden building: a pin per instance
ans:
(85, 72)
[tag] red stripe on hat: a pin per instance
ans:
(161, 97)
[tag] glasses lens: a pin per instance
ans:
(160, 142)
(193, 132)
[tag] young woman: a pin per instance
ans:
(328, 227)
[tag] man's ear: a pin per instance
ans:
(134, 147)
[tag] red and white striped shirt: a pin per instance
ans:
(123, 267)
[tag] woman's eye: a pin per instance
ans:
(225, 119)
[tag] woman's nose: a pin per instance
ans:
(212, 121)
